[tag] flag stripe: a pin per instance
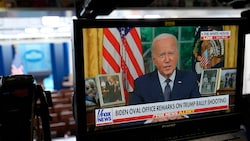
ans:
(132, 56)
(204, 58)
(112, 39)
(130, 80)
(122, 52)
(111, 51)
(134, 64)
(136, 35)
(111, 61)
(137, 50)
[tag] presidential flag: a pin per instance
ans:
(122, 53)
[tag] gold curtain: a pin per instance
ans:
(231, 47)
(2, 3)
(92, 49)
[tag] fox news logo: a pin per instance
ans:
(103, 116)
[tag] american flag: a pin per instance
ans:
(204, 59)
(122, 53)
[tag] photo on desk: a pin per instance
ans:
(91, 92)
(227, 79)
(209, 81)
(110, 90)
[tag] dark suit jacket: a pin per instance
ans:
(148, 88)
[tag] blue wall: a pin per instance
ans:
(6, 56)
(60, 63)
(37, 57)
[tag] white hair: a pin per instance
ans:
(162, 36)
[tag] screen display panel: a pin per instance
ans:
(120, 71)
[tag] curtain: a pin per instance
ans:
(231, 47)
(92, 51)
(2, 3)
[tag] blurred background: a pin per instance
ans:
(36, 38)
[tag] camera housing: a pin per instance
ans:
(22, 104)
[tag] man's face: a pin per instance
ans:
(165, 56)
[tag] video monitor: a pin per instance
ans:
(110, 101)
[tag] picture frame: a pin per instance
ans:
(110, 90)
(91, 92)
(227, 79)
(209, 81)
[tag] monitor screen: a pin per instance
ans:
(120, 71)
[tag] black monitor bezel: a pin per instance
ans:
(198, 127)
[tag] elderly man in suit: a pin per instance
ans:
(150, 87)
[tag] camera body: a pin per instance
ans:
(15, 81)
(19, 108)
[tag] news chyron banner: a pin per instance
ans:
(215, 35)
(132, 113)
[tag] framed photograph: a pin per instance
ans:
(227, 79)
(110, 90)
(91, 92)
(209, 82)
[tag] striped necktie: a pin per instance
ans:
(167, 90)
